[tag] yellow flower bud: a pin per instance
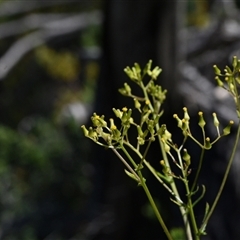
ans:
(227, 129)
(201, 121)
(216, 70)
(85, 131)
(208, 145)
(215, 120)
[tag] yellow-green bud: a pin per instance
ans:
(137, 68)
(219, 82)
(228, 69)
(141, 140)
(112, 125)
(215, 120)
(167, 135)
(127, 88)
(231, 87)
(234, 62)
(140, 132)
(186, 116)
(106, 137)
(150, 126)
(117, 112)
(102, 121)
(116, 134)
(147, 68)
(130, 73)
(201, 121)
(185, 125)
(92, 134)
(165, 168)
(227, 129)
(95, 119)
(85, 131)
(136, 74)
(166, 146)
(126, 115)
(124, 109)
(216, 70)
(186, 157)
(179, 121)
(137, 104)
(208, 145)
(155, 72)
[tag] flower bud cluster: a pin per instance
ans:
(101, 130)
(146, 130)
(137, 75)
(156, 91)
(183, 124)
(134, 73)
(109, 133)
(229, 79)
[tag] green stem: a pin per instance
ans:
(189, 197)
(191, 211)
(128, 156)
(153, 171)
(175, 190)
(149, 196)
(145, 152)
(204, 224)
(198, 170)
(154, 207)
(125, 163)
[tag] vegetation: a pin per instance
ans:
(175, 162)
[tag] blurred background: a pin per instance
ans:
(62, 60)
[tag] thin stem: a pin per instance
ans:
(154, 207)
(175, 190)
(198, 170)
(189, 197)
(191, 212)
(223, 181)
(153, 171)
(145, 152)
(125, 163)
(149, 196)
(128, 156)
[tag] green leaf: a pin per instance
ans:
(131, 175)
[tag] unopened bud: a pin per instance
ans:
(215, 120)
(234, 62)
(216, 70)
(117, 113)
(208, 145)
(201, 121)
(227, 129)
(179, 121)
(85, 131)
(186, 157)
(140, 132)
(186, 116)
(127, 88)
(137, 104)
(219, 82)
(92, 134)
(185, 125)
